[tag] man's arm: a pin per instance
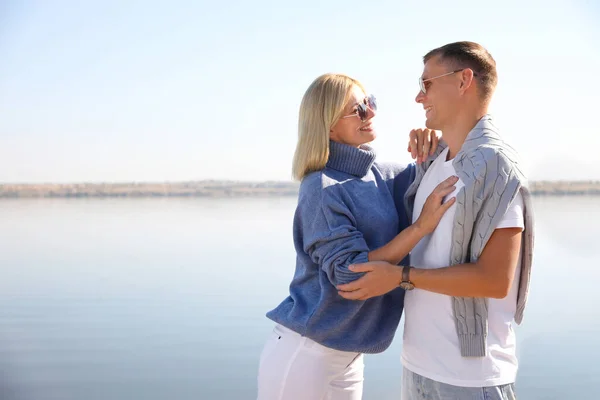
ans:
(491, 276)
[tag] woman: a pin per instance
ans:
(350, 210)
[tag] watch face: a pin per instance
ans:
(407, 285)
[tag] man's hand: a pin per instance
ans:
(422, 143)
(381, 277)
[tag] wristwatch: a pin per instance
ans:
(406, 284)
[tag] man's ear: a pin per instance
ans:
(466, 79)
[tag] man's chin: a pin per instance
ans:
(430, 124)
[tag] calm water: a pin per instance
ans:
(165, 299)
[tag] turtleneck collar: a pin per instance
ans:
(352, 160)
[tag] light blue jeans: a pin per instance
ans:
(417, 387)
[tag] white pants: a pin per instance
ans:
(293, 367)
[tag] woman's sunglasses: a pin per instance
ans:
(362, 109)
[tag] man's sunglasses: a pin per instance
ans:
(422, 81)
(362, 109)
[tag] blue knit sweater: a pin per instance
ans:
(352, 206)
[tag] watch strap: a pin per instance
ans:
(406, 273)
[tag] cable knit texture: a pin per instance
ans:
(489, 168)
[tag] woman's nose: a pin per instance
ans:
(370, 113)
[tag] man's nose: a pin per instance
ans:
(420, 97)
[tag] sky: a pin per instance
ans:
(101, 91)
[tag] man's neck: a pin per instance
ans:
(455, 133)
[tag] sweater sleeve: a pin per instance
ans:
(326, 228)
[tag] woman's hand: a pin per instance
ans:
(422, 143)
(434, 208)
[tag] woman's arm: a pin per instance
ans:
(423, 144)
(328, 233)
(326, 230)
(433, 210)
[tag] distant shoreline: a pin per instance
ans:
(225, 189)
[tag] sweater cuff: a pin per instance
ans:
(343, 275)
(472, 345)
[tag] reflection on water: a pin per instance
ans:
(165, 298)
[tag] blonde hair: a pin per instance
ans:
(321, 108)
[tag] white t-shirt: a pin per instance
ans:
(430, 346)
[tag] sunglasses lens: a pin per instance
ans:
(362, 112)
(363, 109)
(422, 86)
(372, 102)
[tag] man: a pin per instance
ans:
(469, 279)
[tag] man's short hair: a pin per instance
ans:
(470, 55)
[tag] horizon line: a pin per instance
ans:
(210, 180)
